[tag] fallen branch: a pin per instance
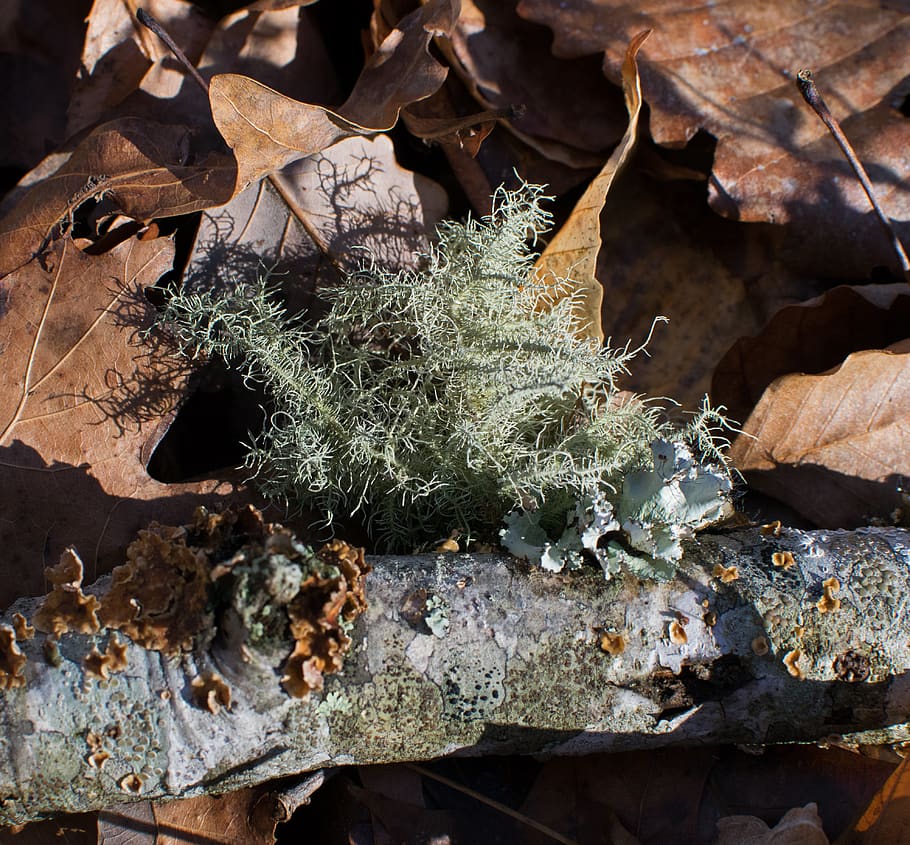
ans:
(759, 639)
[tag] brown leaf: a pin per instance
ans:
(141, 167)
(572, 252)
(85, 394)
(214, 820)
(326, 213)
(267, 130)
(887, 818)
(282, 47)
(401, 70)
(120, 56)
(810, 337)
(833, 446)
(39, 57)
(729, 69)
(506, 63)
(665, 253)
(799, 826)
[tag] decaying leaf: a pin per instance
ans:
(799, 826)
(833, 446)
(121, 58)
(332, 211)
(487, 47)
(142, 167)
(241, 816)
(810, 337)
(887, 817)
(572, 252)
(729, 69)
(267, 130)
(86, 392)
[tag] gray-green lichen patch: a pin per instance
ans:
(784, 583)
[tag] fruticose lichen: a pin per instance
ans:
(456, 395)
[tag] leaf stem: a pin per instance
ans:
(811, 95)
(150, 23)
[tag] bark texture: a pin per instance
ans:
(476, 655)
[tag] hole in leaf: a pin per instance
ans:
(210, 429)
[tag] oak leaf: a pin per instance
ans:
(833, 446)
(573, 250)
(143, 167)
(86, 394)
(506, 64)
(810, 337)
(268, 130)
(729, 69)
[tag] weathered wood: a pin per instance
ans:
(516, 665)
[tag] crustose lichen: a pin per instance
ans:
(449, 397)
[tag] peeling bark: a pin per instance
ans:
(473, 654)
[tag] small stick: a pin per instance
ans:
(811, 95)
(490, 802)
(150, 23)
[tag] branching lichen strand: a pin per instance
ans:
(434, 399)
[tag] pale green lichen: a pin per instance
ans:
(448, 397)
(334, 702)
(437, 616)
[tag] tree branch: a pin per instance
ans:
(475, 655)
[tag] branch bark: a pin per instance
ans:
(473, 654)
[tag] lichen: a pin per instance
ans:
(67, 607)
(159, 597)
(99, 665)
(449, 397)
(230, 576)
(12, 660)
(321, 614)
(437, 616)
(211, 692)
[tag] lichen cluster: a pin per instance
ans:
(228, 575)
(437, 399)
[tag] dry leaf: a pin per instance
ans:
(506, 63)
(85, 394)
(887, 818)
(729, 69)
(833, 446)
(810, 337)
(39, 58)
(799, 826)
(229, 819)
(402, 70)
(329, 211)
(120, 56)
(665, 253)
(140, 166)
(267, 130)
(572, 252)
(282, 47)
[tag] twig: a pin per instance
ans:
(490, 802)
(150, 23)
(811, 95)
